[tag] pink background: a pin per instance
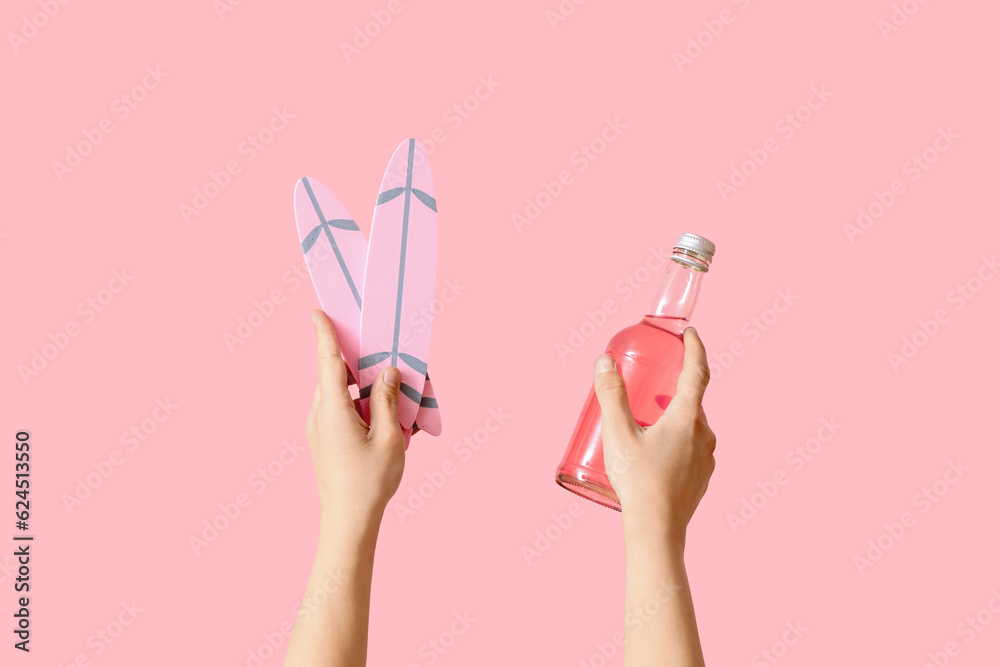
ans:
(520, 294)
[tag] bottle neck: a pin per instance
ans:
(677, 293)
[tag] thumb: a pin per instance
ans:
(610, 390)
(693, 380)
(383, 405)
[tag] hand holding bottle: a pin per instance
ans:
(660, 472)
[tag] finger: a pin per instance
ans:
(694, 376)
(384, 405)
(610, 390)
(332, 369)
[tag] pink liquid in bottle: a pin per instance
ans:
(649, 356)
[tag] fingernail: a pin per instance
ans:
(692, 329)
(314, 318)
(605, 363)
(391, 377)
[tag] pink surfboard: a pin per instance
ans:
(334, 249)
(335, 252)
(399, 280)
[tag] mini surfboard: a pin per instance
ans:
(336, 252)
(399, 280)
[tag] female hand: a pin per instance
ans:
(358, 468)
(659, 472)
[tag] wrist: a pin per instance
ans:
(350, 528)
(646, 526)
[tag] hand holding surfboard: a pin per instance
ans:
(374, 292)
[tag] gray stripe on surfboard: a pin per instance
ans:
(414, 363)
(428, 201)
(310, 239)
(410, 392)
(389, 195)
(404, 389)
(402, 254)
(333, 243)
(349, 225)
(372, 359)
(377, 357)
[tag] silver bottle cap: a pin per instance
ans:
(692, 244)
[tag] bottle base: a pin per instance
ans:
(589, 484)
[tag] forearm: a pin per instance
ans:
(332, 626)
(660, 627)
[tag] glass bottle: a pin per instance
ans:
(649, 356)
